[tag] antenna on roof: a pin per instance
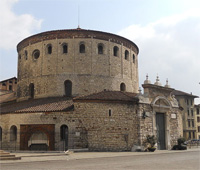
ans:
(78, 17)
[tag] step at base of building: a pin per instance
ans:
(3, 156)
(7, 156)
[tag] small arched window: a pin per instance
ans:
(110, 112)
(13, 133)
(63, 132)
(122, 87)
(68, 88)
(133, 58)
(116, 51)
(82, 48)
(31, 90)
(0, 133)
(100, 48)
(65, 48)
(49, 49)
(126, 55)
(26, 55)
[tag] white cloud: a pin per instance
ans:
(15, 27)
(169, 47)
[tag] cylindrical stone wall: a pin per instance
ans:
(44, 62)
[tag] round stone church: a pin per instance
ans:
(75, 62)
(79, 89)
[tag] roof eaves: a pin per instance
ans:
(181, 93)
(8, 79)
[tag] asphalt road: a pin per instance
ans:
(170, 161)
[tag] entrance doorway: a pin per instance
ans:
(160, 125)
(38, 142)
(64, 136)
(37, 137)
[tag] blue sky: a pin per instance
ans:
(166, 32)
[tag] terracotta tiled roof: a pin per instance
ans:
(181, 93)
(110, 96)
(52, 104)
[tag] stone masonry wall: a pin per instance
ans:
(89, 72)
(146, 124)
(176, 126)
(90, 125)
(98, 126)
(173, 123)
(115, 132)
(57, 118)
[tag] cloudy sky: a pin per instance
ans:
(167, 32)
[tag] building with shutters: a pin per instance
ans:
(8, 89)
(197, 114)
(186, 102)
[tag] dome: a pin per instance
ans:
(147, 81)
(158, 82)
(167, 85)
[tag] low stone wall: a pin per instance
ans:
(110, 126)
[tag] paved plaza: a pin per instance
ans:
(168, 160)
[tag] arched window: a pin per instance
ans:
(116, 51)
(0, 133)
(68, 88)
(13, 133)
(126, 55)
(31, 90)
(122, 87)
(133, 58)
(65, 48)
(110, 112)
(100, 48)
(49, 49)
(26, 55)
(82, 48)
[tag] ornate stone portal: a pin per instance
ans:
(160, 113)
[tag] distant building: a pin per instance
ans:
(186, 102)
(197, 111)
(8, 89)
